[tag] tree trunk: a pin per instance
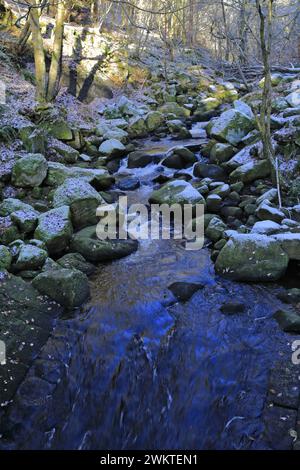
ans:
(39, 54)
(55, 67)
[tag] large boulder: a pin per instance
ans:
(177, 192)
(58, 173)
(95, 250)
(290, 242)
(252, 257)
(251, 171)
(231, 126)
(82, 198)
(30, 171)
(68, 287)
(55, 229)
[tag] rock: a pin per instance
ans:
(173, 161)
(30, 258)
(183, 291)
(213, 203)
(293, 99)
(8, 231)
(206, 108)
(269, 195)
(137, 127)
(30, 171)
(221, 153)
(33, 139)
(243, 108)
(265, 227)
(59, 129)
(108, 130)
(128, 184)
(179, 158)
(177, 191)
(290, 296)
(251, 171)
(267, 212)
(112, 148)
(207, 170)
(222, 189)
(139, 159)
(290, 242)
(10, 205)
(231, 307)
(25, 220)
(55, 229)
(58, 173)
(288, 320)
(69, 154)
(215, 229)
(252, 257)
(231, 126)
(82, 198)
(76, 261)
(178, 129)
(154, 120)
(68, 287)
(95, 250)
(174, 108)
(5, 257)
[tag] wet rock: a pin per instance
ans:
(68, 287)
(231, 126)
(288, 320)
(206, 170)
(5, 257)
(55, 229)
(251, 171)
(183, 291)
(252, 257)
(29, 171)
(128, 184)
(232, 307)
(82, 198)
(179, 158)
(139, 159)
(112, 148)
(76, 261)
(95, 250)
(177, 191)
(290, 296)
(30, 257)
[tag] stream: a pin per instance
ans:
(137, 370)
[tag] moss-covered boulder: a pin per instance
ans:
(76, 261)
(10, 205)
(30, 171)
(221, 153)
(139, 159)
(30, 258)
(95, 250)
(231, 126)
(98, 178)
(68, 287)
(25, 220)
(215, 229)
(290, 242)
(252, 257)
(5, 257)
(137, 127)
(82, 198)
(251, 171)
(55, 229)
(177, 192)
(33, 139)
(174, 108)
(112, 148)
(154, 120)
(59, 129)
(8, 231)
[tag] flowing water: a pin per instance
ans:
(136, 370)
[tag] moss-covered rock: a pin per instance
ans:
(58, 173)
(10, 205)
(252, 257)
(33, 139)
(215, 229)
(76, 261)
(68, 287)
(154, 120)
(59, 129)
(231, 126)
(55, 229)
(95, 250)
(251, 171)
(177, 192)
(30, 171)
(221, 153)
(5, 257)
(112, 148)
(25, 220)
(82, 198)
(30, 258)
(174, 108)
